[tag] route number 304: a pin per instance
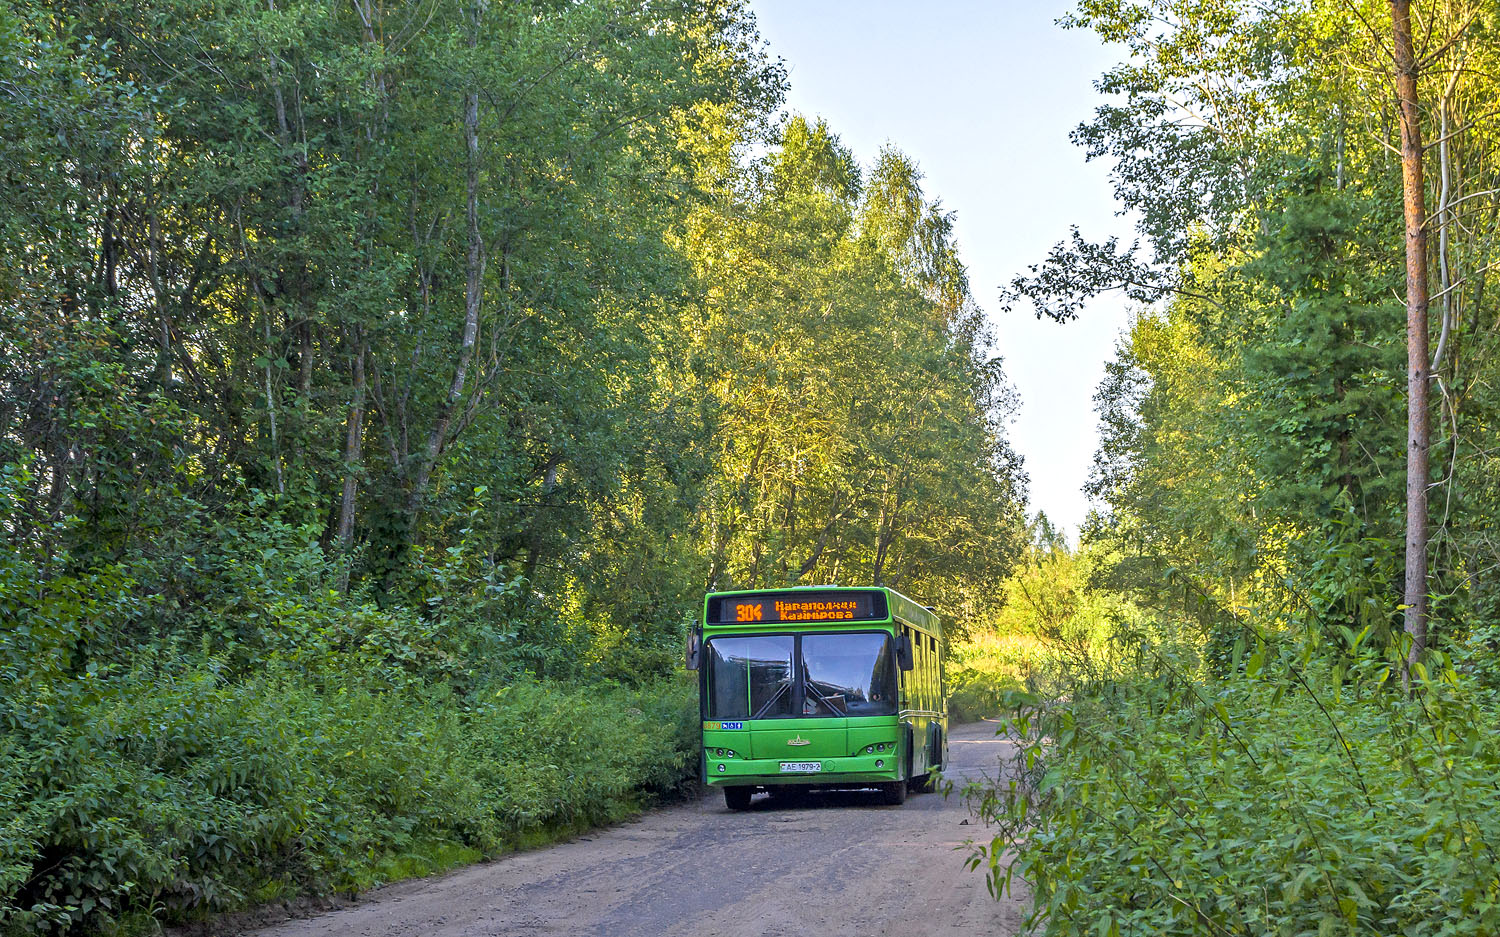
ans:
(749, 612)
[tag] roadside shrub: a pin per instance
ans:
(176, 790)
(219, 723)
(985, 670)
(1256, 804)
(545, 756)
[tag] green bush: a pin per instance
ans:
(545, 756)
(985, 670)
(1251, 805)
(175, 790)
(241, 729)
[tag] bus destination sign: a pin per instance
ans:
(797, 607)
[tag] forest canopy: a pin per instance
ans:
(374, 372)
(1245, 732)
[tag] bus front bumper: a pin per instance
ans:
(854, 771)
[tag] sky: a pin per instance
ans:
(982, 95)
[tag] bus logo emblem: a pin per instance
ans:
(799, 740)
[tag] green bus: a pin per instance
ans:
(819, 687)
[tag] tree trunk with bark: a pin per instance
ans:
(437, 437)
(1418, 433)
(353, 437)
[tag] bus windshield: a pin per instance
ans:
(848, 675)
(750, 677)
(837, 674)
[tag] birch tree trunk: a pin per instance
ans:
(473, 292)
(352, 450)
(1418, 433)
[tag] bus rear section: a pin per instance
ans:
(817, 688)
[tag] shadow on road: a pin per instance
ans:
(814, 800)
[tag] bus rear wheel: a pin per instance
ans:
(738, 798)
(893, 794)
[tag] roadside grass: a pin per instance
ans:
(423, 858)
(170, 794)
(1299, 793)
(985, 670)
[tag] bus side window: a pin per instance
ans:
(921, 676)
(916, 671)
(921, 671)
(926, 674)
(931, 674)
(909, 677)
(932, 642)
(932, 645)
(932, 664)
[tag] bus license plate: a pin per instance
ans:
(801, 766)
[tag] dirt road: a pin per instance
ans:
(838, 865)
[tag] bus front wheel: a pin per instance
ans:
(738, 798)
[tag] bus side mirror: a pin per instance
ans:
(903, 653)
(694, 650)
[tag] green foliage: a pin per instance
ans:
(1244, 756)
(247, 286)
(172, 789)
(372, 419)
(858, 434)
(301, 285)
(1254, 415)
(248, 731)
(1288, 797)
(548, 757)
(1056, 626)
(985, 671)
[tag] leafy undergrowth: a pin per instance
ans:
(985, 670)
(1291, 797)
(227, 728)
(171, 792)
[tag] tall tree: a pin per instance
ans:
(1262, 148)
(859, 409)
(1418, 434)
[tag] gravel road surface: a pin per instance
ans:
(835, 865)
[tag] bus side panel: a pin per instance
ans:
(924, 707)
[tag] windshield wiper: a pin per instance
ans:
(812, 689)
(772, 701)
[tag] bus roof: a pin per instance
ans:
(898, 607)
